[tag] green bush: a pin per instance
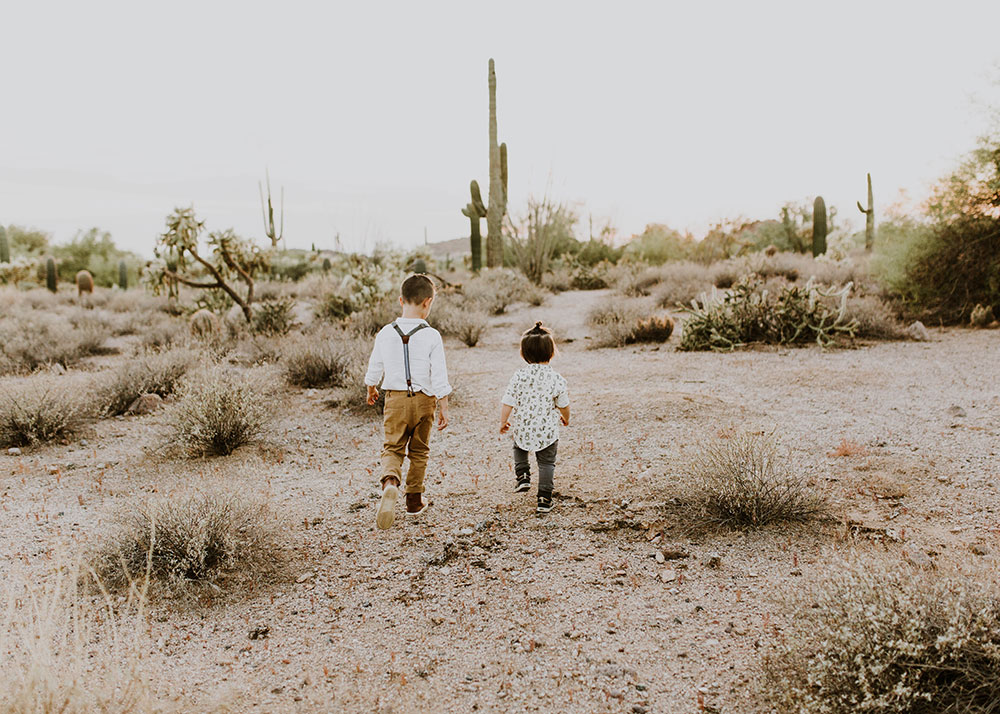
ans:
(883, 638)
(657, 244)
(274, 317)
(752, 313)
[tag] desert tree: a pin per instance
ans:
(228, 262)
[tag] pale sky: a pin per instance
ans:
(373, 115)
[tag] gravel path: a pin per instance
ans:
(480, 605)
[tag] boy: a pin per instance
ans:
(408, 359)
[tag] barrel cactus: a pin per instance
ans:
(205, 323)
(84, 282)
(122, 275)
(4, 246)
(819, 226)
(419, 266)
(51, 278)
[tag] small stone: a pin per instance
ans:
(445, 570)
(13, 451)
(943, 478)
(979, 549)
(260, 632)
(957, 411)
(307, 438)
(713, 643)
(84, 442)
(668, 576)
(53, 469)
(918, 332)
(638, 709)
(660, 558)
(146, 404)
(465, 531)
(305, 577)
(918, 558)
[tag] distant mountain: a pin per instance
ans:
(456, 248)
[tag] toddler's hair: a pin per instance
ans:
(537, 345)
(416, 289)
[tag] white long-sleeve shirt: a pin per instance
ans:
(428, 371)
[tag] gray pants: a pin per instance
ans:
(546, 459)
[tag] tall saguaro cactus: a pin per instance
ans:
(4, 246)
(819, 226)
(498, 183)
(869, 217)
(122, 275)
(475, 210)
(267, 211)
(51, 278)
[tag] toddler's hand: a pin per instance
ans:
(564, 420)
(372, 395)
(504, 427)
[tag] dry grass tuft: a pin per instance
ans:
(221, 409)
(848, 448)
(883, 638)
(66, 654)
(200, 542)
(741, 483)
(35, 413)
(152, 373)
(29, 340)
(318, 360)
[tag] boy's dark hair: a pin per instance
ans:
(416, 289)
(537, 345)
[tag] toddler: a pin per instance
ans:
(538, 398)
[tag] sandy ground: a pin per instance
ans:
(482, 605)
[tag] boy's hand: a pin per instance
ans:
(443, 415)
(504, 426)
(372, 395)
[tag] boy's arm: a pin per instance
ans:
(439, 371)
(376, 368)
(505, 410)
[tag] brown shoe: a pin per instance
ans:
(415, 504)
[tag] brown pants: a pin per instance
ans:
(408, 422)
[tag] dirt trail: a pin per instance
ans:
(481, 604)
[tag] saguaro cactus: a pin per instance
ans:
(122, 275)
(498, 183)
(819, 226)
(4, 246)
(869, 217)
(267, 210)
(475, 210)
(50, 274)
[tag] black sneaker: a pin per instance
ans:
(544, 503)
(523, 483)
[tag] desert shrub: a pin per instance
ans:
(29, 340)
(162, 331)
(274, 316)
(559, 279)
(151, 373)
(335, 307)
(752, 313)
(535, 295)
(35, 413)
(544, 232)
(194, 539)
(369, 320)
(874, 318)
(678, 283)
(496, 288)
(221, 409)
(623, 321)
(741, 482)
(884, 638)
(457, 316)
(587, 277)
(658, 244)
(67, 653)
(317, 360)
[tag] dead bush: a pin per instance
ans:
(681, 282)
(458, 316)
(496, 288)
(874, 318)
(879, 636)
(741, 483)
(318, 360)
(221, 409)
(150, 373)
(200, 539)
(29, 340)
(36, 413)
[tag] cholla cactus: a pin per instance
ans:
(18, 271)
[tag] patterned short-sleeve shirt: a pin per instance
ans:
(535, 391)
